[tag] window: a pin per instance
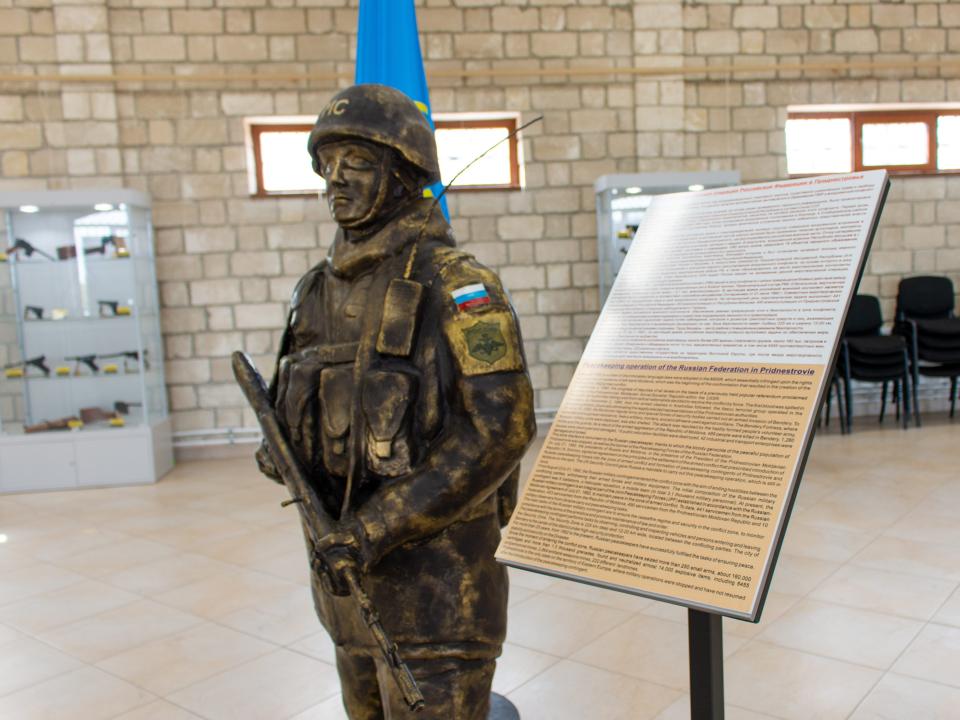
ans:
(918, 140)
(461, 141)
(279, 164)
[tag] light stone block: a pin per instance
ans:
(590, 18)
(11, 108)
(187, 372)
(282, 21)
(561, 350)
(15, 163)
(478, 45)
(197, 22)
(924, 40)
(520, 227)
(523, 277)
(249, 103)
(857, 41)
(442, 20)
(553, 44)
(752, 17)
(717, 42)
(159, 48)
(511, 19)
(824, 16)
(224, 395)
(207, 240)
(215, 292)
(259, 315)
(14, 21)
(217, 344)
(243, 48)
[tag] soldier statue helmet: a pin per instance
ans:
(402, 385)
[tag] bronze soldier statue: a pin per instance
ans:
(402, 387)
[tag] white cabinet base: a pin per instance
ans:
(91, 458)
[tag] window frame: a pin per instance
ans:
(859, 118)
(256, 130)
(510, 124)
(257, 126)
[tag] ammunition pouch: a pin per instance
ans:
(388, 397)
(299, 398)
(336, 401)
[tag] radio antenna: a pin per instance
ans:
(484, 154)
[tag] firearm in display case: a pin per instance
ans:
(27, 248)
(17, 369)
(102, 292)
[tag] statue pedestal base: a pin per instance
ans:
(502, 709)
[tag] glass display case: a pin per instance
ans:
(82, 395)
(622, 201)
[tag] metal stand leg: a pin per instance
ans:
(706, 665)
(502, 709)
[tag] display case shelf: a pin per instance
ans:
(622, 202)
(47, 268)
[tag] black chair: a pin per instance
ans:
(926, 319)
(869, 356)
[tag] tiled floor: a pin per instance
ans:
(188, 599)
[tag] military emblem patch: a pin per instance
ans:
(485, 342)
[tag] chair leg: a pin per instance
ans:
(841, 413)
(896, 398)
(953, 396)
(826, 410)
(848, 401)
(906, 409)
(883, 400)
(906, 394)
(916, 395)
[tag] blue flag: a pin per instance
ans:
(388, 53)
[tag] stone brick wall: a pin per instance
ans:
(227, 263)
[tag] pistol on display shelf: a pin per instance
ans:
(71, 422)
(112, 308)
(89, 360)
(17, 369)
(21, 245)
(35, 312)
(123, 408)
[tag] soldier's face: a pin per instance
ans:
(353, 171)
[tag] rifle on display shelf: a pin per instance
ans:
(71, 422)
(89, 360)
(316, 522)
(127, 355)
(118, 243)
(28, 249)
(17, 369)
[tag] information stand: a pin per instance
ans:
(675, 457)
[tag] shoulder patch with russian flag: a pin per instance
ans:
(470, 296)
